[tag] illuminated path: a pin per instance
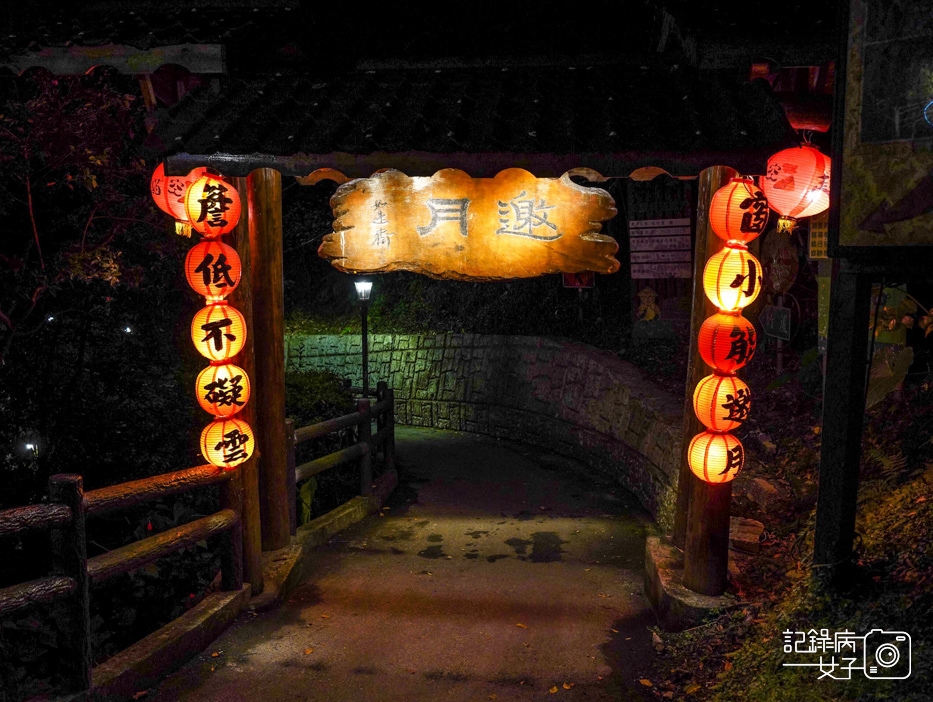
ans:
(425, 602)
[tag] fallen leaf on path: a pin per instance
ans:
(526, 644)
(325, 616)
(599, 594)
(140, 695)
(614, 631)
(599, 677)
(586, 570)
(692, 688)
(521, 626)
(214, 654)
(308, 651)
(667, 695)
(646, 682)
(728, 665)
(553, 690)
(567, 686)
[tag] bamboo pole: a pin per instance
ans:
(264, 188)
(247, 473)
(707, 243)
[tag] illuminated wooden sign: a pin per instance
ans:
(453, 226)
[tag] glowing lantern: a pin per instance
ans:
(223, 389)
(157, 188)
(212, 206)
(721, 402)
(727, 342)
(738, 211)
(715, 457)
(732, 278)
(213, 269)
(227, 442)
(218, 331)
(796, 184)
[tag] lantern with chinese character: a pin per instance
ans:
(227, 442)
(721, 402)
(715, 457)
(727, 341)
(223, 389)
(168, 193)
(218, 331)
(738, 211)
(212, 206)
(157, 188)
(213, 269)
(732, 278)
(796, 184)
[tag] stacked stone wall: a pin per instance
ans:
(570, 398)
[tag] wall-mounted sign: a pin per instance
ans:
(819, 231)
(457, 227)
(775, 321)
(660, 248)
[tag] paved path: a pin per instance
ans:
(496, 573)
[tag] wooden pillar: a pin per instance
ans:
(248, 472)
(69, 558)
(231, 552)
(264, 187)
(707, 243)
(290, 468)
(366, 437)
(843, 411)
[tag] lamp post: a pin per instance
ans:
(363, 288)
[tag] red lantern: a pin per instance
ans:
(157, 188)
(721, 402)
(223, 389)
(738, 211)
(715, 457)
(797, 184)
(212, 206)
(227, 442)
(727, 342)
(213, 269)
(175, 189)
(732, 278)
(218, 331)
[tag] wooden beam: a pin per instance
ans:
(264, 188)
(706, 244)
(77, 60)
(247, 472)
(843, 413)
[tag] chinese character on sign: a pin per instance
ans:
(224, 391)
(232, 445)
(737, 406)
(214, 202)
(446, 210)
(524, 217)
(216, 334)
(742, 346)
(755, 219)
(382, 236)
(215, 273)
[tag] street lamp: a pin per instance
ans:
(363, 288)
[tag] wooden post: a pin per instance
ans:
(707, 243)
(366, 437)
(382, 391)
(247, 472)
(264, 187)
(69, 558)
(290, 475)
(843, 412)
(231, 553)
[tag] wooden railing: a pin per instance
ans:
(368, 442)
(73, 573)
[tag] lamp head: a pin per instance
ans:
(363, 288)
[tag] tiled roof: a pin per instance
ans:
(596, 110)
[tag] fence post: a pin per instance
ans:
(366, 437)
(290, 475)
(69, 558)
(389, 446)
(231, 553)
(382, 391)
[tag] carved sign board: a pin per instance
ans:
(456, 227)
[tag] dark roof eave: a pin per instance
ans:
(751, 161)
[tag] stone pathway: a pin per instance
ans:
(497, 572)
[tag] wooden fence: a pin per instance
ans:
(65, 516)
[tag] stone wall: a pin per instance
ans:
(570, 398)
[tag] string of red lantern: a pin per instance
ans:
(205, 203)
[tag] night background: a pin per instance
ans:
(97, 367)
